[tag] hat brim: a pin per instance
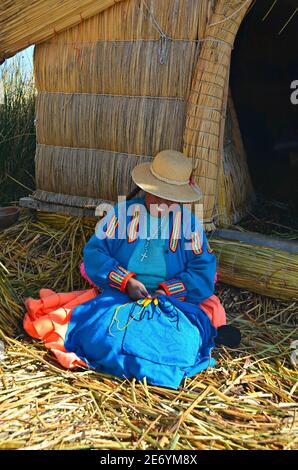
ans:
(143, 178)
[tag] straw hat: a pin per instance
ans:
(168, 176)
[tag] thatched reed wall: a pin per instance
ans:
(83, 171)
(111, 95)
(135, 125)
(121, 67)
(121, 86)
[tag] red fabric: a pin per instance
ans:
(215, 311)
(47, 319)
(125, 281)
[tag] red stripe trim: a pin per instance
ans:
(119, 280)
(112, 225)
(165, 288)
(209, 249)
(176, 291)
(193, 244)
(115, 287)
(134, 225)
(170, 288)
(113, 277)
(125, 272)
(174, 239)
(125, 281)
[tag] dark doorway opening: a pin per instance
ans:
(264, 65)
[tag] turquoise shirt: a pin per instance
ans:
(150, 269)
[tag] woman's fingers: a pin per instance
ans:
(146, 293)
(138, 294)
(157, 293)
(136, 290)
(141, 294)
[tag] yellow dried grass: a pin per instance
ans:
(248, 401)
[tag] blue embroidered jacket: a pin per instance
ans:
(190, 263)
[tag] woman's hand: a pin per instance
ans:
(157, 293)
(136, 289)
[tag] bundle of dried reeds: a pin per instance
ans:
(55, 202)
(262, 269)
(144, 19)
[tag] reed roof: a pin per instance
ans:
(24, 23)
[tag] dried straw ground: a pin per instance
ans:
(247, 402)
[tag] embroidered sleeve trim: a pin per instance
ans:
(175, 235)
(133, 226)
(119, 277)
(113, 224)
(125, 281)
(173, 287)
(209, 249)
(196, 244)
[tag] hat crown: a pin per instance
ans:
(173, 166)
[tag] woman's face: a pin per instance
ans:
(153, 203)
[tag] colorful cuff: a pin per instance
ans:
(173, 287)
(119, 277)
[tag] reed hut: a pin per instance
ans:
(119, 81)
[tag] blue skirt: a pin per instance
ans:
(164, 343)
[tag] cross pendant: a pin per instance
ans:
(144, 255)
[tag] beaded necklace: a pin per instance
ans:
(148, 240)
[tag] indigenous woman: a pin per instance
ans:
(152, 311)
